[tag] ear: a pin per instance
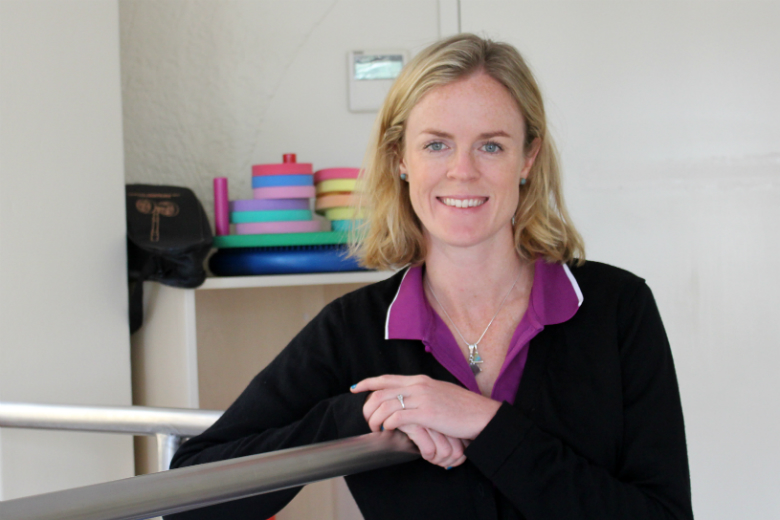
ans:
(402, 166)
(536, 145)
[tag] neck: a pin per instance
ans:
(462, 277)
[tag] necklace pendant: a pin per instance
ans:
(474, 359)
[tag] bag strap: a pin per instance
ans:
(136, 307)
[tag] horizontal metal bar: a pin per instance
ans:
(135, 420)
(188, 488)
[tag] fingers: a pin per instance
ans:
(434, 447)
(382, 403)
(449, 451)
(422, 439)
(387, 381)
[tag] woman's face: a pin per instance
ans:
(463, 156)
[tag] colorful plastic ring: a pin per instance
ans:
(268, 204)
(272, 181)
(282, 169)
(333, 200)
(262, 228)
(280, 215)
(344, 225)
(340, 213)
(336, 185)
(281, 239)
(336, 173)
(284, 192)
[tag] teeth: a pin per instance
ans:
(463, 203)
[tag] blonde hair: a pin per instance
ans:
(391, 234)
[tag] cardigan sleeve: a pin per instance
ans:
(300, 398)
(547, 479)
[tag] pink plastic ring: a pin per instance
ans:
(282, 169)
(284, 192)
(336, 173)
(287, 226)
(333, 200)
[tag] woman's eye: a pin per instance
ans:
(492, 147)
(436, 146)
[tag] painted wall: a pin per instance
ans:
(63, 298)
(668, 121)
(666, 115)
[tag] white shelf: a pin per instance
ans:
(290, 280)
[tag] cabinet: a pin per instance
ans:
(199, 348)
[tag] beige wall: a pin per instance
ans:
(63, 295)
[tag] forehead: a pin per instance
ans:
(476, 103)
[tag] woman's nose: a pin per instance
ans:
(462, 166)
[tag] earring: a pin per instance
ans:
(523, 181)
(513, 221)
(403, 176)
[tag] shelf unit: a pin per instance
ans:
(199, 348)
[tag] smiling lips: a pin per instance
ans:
(463, 203)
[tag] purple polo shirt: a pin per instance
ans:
(555, 298)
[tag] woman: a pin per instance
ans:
(535, 385)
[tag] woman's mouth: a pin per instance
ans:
(463, 203)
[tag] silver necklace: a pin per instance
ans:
(474, 358)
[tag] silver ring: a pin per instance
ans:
(401, 398)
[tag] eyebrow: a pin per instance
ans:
(486, 135)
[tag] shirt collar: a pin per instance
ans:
(555, 298)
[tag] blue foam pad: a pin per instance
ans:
(282, 260)
(277, 181)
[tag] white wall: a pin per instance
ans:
(211, 88)
(667, 115)
(63, 295)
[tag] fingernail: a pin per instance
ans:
(448, 468)
(353, 387)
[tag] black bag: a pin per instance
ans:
(168, 238)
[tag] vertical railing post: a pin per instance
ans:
(166, 446)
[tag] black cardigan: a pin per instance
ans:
(596, 430)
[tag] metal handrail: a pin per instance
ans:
(135, 420)
(193, 487)
(168, 425)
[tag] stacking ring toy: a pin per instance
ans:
(340, 213)
(336, 173)
(282, 169)
(333, 200)
(285, 192)
(270, 181)
(280, 215)
(336, 185)
(262, 228)
(268, 204)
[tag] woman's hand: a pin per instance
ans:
(436, 448)
(436, 406)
